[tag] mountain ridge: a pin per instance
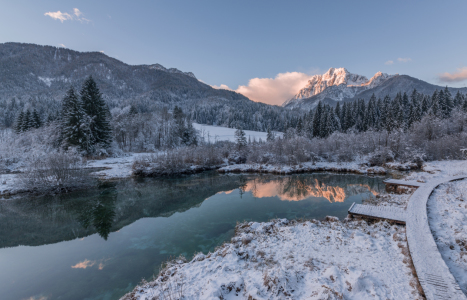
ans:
(339, 85)
(34, 70)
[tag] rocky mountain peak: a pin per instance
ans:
(337, 84)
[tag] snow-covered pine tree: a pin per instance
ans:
(19, 122)
(189, 137)
(299, 127)
(27, 121)
(345, 117)
(240, 138)
(370, 115)
(270, 135)
(75, 123)
(36, 119)
(317, 120)
(425, 107)
(379, 105)
(133, 110)
(337, 111)
(98, 112)
(435, 109)
(448, 102)
(412, 114)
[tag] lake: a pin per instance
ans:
(100, 243)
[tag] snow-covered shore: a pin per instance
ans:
(295, 260)
(352, 167)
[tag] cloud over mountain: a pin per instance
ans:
(460, 75)
(272, 90)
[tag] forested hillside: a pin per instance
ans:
(34, 77)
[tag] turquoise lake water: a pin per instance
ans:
(100, 243)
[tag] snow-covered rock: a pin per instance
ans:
(336, 84)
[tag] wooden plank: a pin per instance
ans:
(403, 183)
(379, 212)
(433, 273)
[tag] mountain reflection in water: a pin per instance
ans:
(297, 188)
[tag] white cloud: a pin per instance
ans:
(460, 75)
(77, 12)
(389, 62)
(58, 15)
(102, 51)
(272, 90)
(76, 16)
(406, 59)
(62, 45)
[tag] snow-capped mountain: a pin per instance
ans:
(336, 84)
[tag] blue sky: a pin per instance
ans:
(232, 42)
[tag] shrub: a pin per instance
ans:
(59, 171)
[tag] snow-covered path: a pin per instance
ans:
(433, 273)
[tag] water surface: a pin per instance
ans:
(100, 243)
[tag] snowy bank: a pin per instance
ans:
(114, 167)
(308, 167)
(210, 133)
(294, 260)
(447, 213)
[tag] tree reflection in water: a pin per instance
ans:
(100, 211)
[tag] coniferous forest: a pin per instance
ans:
(410, 127)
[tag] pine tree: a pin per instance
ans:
(270, 135)
(133, 110)
(75, 129)
(457, 99)
(300, 127)
(448, 102)
(435, 109)
(434, 98)
(344, 117)
(425, 107)
(240, 138)
(317, 120)
(36, 119)
(27, 121)
(95, 107)
(19, 123)
(337, 111)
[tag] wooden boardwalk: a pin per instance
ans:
(379, 212)
(433, 273)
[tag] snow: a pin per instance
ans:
(218, 133)
(295, 260)
(115, 167)
(447, 213)
(46, 80)
(9, 184)
(352, 167)
(439, 169)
